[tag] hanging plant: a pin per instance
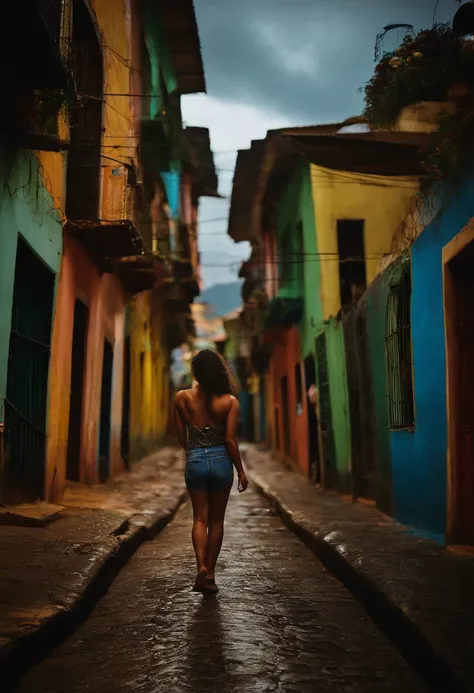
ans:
(48, 105)
(423, 68)
(449, 151)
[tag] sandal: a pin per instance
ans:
(200, 582)
(210, 585)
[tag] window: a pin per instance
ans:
(398, 354)
(351, 251)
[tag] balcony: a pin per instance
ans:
(283, 313)
(107, 241)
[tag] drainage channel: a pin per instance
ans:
(407, 639)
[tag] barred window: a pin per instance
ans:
(398, 354)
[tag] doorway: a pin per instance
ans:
(325, 413)
(313, 437)
(125, 436)
(27, 378)
(361, 402)
(459, 296)
(105, 412)
(286, 415)
(364, 486)
(250, 419)
(79, 340)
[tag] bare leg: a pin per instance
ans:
(200, 501)
(217, 507)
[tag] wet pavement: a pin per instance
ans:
(280, 623)
(46, 572)
(430, 586)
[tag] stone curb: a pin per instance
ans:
(397, 626)
(20, 655)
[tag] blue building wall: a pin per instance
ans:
(419, 456)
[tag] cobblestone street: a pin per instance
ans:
(280, 623)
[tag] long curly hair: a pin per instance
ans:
(211, 372)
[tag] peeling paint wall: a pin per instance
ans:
(27, 208)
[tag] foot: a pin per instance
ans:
(200, 582)
(210, 585)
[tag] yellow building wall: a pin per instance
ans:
(149, 395)
(382, 202)
(114, 29)
(52, 167)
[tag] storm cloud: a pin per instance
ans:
(302, 58)
(271, 63)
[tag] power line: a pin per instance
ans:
(342, 261)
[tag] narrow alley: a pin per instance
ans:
(237, 237)
(280, 623)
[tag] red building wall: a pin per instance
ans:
(286, 356)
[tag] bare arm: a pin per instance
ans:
(231, 441)
(180, 425)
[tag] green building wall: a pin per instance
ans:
(336, 359)
(296, 205)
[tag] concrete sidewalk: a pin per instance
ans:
(420, 594)
(52, 573)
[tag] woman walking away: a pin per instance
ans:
(206, 419)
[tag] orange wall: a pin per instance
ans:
(286, 354)
(105, 299)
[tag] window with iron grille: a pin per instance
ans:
(398, 354)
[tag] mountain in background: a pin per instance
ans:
(224, 297)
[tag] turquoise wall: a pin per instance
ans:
(160, 60)
(26, 208)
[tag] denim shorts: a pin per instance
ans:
(209, 469)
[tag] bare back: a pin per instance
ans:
(195, 410)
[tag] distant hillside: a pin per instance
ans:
(224, 297)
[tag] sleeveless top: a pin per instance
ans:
(206, 437)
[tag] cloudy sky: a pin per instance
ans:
(273, 63)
